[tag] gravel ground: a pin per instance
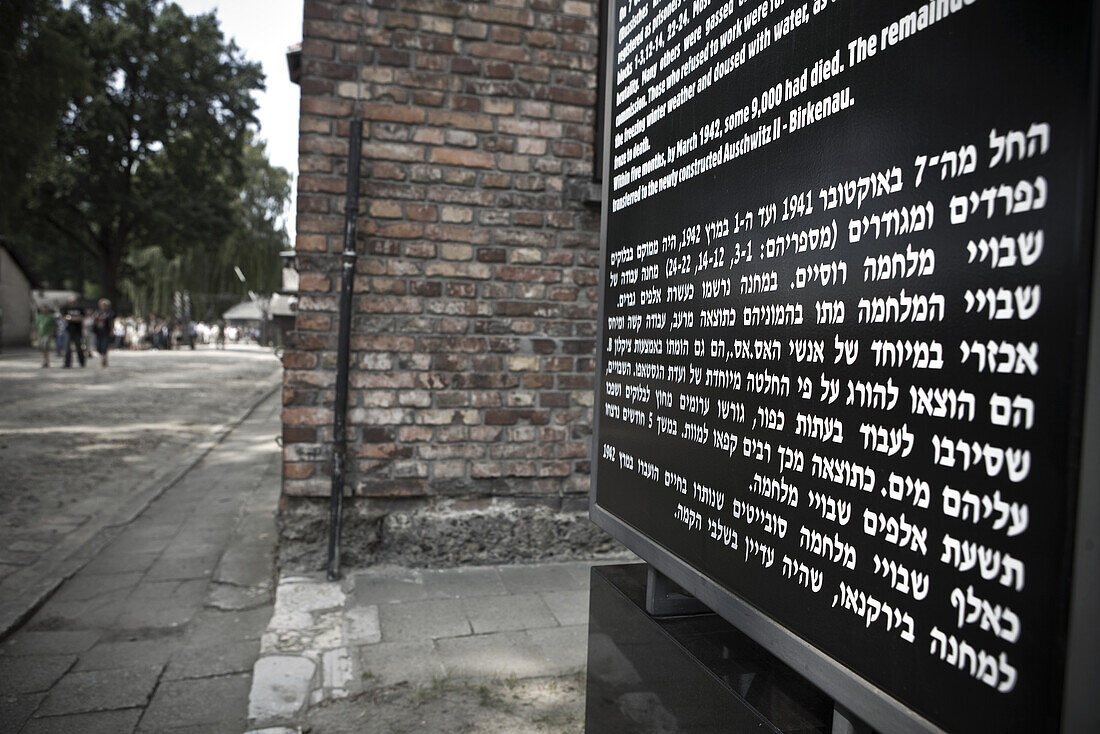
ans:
(461, 706)
(77, 444)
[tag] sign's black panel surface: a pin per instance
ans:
(847, 262)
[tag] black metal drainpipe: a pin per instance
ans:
(340, 410)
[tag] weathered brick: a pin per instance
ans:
(420, 212)
(493, 14)
(332, 108)
(474, 330)
(399, 20)
(514, 54)
(456, 252)
(537, 382)
(393, 57)
(485, 469)
(457, 214)
(390, 304)
(298, 434)
(410, 487)
(517, 163)
(528, 219)
(541, 39)
(465, 103)
(459, 157)
(312, 124)
(471, 29)
(325, 184)
(313, 203)
(523, 363)
(456, 289)
(311, 85)
(314, 283)
(410, 469)
(426, 173)
(414, 434)
(296, 360)
(450, 8)
(386, 209)
(352, 90)
(446, 417)
(380, 286)
(463, 138)
(391, 113)
(437, 24)
(465, 120)
(306, 488)
(537, 74)
(307, 416)
(428, 136)
(477, 271)
(517, 399)
(315, 48)
(497, 180)
(313, 322)
(535, 109)
(456, 233)
(430, 43)
(460, 177)
(567, 149)
(526, 255)
(393, 152)
(528, 274)
(501, 417)
(449, 469)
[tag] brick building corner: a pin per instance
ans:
(474, 318)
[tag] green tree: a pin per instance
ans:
(153, 274)
(260, 235)
(42, 72)
(154, 153)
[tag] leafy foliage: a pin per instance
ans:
(153, 274)
(42, 69)
(153, 152)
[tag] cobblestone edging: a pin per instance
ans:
(305, 654)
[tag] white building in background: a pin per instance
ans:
(16, 306)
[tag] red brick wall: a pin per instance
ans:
(472, 365)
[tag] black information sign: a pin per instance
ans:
(847, 271)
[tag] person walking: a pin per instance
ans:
(86, 336)
(103, 326)
(219, 337)
(45, 325)
(119, 334)
(73, 316)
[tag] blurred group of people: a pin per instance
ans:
(75, 329)
(79, 330)
(165, 333)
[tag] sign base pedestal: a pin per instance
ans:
(694, 673)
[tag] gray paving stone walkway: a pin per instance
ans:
(84, 451)
(389, 625)
(160, 629)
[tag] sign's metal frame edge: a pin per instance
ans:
(1081, 706)
(871, 704)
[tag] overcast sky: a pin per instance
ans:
(263, 29)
